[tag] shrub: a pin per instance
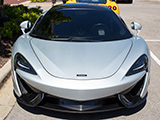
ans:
(32, 17)
(14, 11)
(33, 0)
(38, 0)
(6, 31)
(17, 14)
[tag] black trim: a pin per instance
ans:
(63, 105)
(132, 98)
(20, 62)
(29, 97)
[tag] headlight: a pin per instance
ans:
(140, 65)
(21, 63)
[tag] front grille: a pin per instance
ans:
(63, 105)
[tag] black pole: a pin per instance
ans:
(3, 18)
(1, 7)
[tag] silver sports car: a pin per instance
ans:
(80, 58)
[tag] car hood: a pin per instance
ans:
(81, 60)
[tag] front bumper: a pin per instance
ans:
(129, 98)
(63, 105)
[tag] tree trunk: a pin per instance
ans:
(3, 18)
(1, 7)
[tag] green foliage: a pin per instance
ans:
(32, 14)
(6, 31)
(14, 11)
(17, 14)
(35, 10)
(38, 0)
(33, 0)
(32, 17)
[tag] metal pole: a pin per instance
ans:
(1, 7)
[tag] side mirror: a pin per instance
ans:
(25, 25)
(136, 26)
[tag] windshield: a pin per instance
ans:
(80, 25)
(93, 1)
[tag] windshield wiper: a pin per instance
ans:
(73, 39)
(60, 39)
(82, 39)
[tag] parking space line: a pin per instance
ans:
(152, 40)
(151, 53)
(155, 58)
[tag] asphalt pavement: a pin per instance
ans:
(145, 13)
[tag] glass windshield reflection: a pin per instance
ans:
(80, 25)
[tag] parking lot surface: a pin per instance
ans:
(146, 13)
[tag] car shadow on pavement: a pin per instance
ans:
(88, 116)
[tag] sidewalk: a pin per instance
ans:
(44, 5)
(21, 1)
(32, 4)
(14, 1)
(7, 100)
(4, 72)
(28, 3)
